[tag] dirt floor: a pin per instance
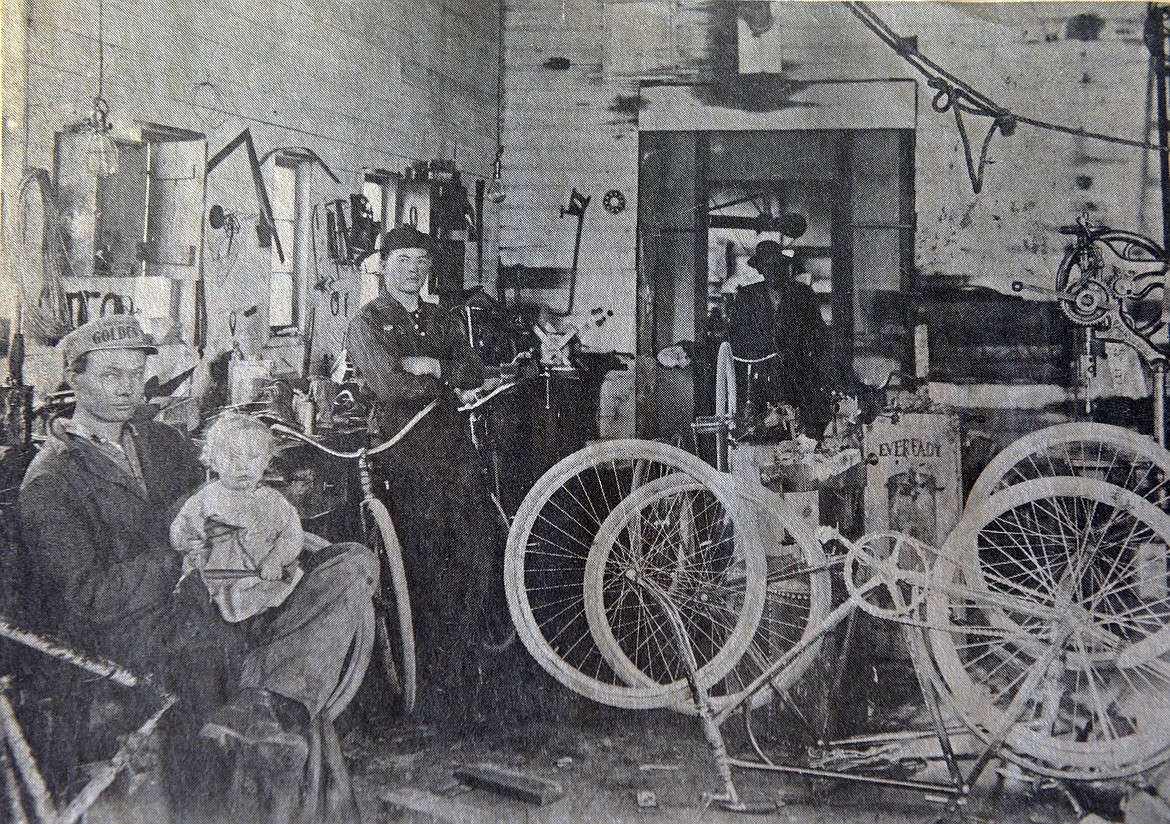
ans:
(605, 760)
(645, 767)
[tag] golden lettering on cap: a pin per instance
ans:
(115, 333)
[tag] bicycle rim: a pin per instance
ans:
(396, 648)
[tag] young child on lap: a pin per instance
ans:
(243, 538)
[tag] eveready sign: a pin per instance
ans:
(909, 448)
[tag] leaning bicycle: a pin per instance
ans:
(395, 646)
(641, 577)
(394, 625)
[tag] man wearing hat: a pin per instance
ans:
(410, 352)
(780, 341)
(95, 510)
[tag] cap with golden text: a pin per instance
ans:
(110, 332)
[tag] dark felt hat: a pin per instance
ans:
(404, 237)
(766, 251)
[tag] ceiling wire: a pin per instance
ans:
(953, 94)
(101, 51)
(500, 79)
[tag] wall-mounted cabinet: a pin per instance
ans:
(132, 240)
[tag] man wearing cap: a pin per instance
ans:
(410, 352)
(780, 340)
(95, 509)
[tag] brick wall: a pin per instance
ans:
(364, 85)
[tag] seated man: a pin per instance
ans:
(95, 510)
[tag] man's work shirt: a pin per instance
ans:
(122, 451)
(94, 520)
(383, 334)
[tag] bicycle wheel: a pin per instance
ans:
(1109, 453)
(1048, 617)
(725, 397)
(394, 627)
(726, 403)
(664, 532)
(549, 545)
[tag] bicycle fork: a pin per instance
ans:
(729, 799)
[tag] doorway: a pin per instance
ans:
(707, 198)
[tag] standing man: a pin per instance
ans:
(95, 511)
(776, 330)
(410, 353)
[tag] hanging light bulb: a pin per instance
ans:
(101, 152)
(495, 190)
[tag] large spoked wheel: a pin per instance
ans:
(393, 625)
(1049, 618)
(725, 397)
(549, 546)
(726, 402)
(667, 535)
(1108, 453)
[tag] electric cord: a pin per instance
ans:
(953, 94)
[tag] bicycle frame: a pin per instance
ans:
(16, 757)
(712, 720)
(891, 577)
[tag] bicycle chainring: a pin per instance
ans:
(885, 574)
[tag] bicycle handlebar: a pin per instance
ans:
(480, 401)
(296, 434)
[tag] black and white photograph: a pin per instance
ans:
(554, 411)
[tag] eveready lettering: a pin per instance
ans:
(909, 448)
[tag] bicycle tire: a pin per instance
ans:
(1011, 582)
(725, 389)
(548, 546)
(796, 596)
(396, 650)
(1110, 453)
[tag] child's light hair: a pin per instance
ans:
(228, 429)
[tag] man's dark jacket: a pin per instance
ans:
(96, 547)
(802, 373)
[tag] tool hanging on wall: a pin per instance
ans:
(42, 296)
(320, 282)
(363, 230)
(310, 332)
(18, 396)
(218, 219)
(200, 331)
(352, 241)
(337, 234)
(266, 231)
(578, 203)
